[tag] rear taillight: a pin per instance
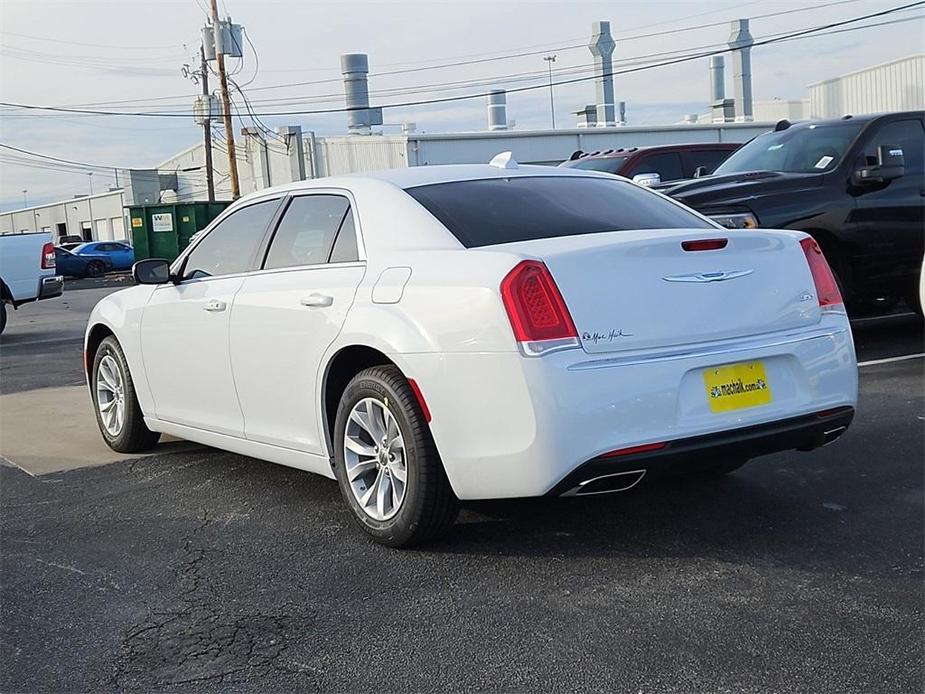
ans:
(826, 286)
(48, 256)
(538, 314)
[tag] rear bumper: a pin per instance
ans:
(509, 426)
(802, 433)
(50, 287)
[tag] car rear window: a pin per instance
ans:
(504, 210)
(605, 164)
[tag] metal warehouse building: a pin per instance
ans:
(895, 86)
(262, 163)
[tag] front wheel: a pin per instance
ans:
(117, 411)
(386, 462)
(2, 316)
(95, 269)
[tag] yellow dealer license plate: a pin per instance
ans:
(737, 386)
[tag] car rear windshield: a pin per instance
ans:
(504, 210)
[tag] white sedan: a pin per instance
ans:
(437, 334)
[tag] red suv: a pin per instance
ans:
(668, 162)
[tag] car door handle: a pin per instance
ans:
(215, 305)
(317, 301)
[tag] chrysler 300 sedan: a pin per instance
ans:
(446, 333)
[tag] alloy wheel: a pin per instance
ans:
(375, 459)
(110, 395)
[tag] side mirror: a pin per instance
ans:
(647, 179)
(701, 171)
(151, 271)
(890, 165)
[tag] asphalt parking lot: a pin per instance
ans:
(200, 570)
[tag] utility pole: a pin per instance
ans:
(226, 104)
(207, 123)
(90, 176)
(550, 59)
(25, 198)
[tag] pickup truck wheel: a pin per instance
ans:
(95, 268)
(117, 411)
(2, 316)
(386, 462)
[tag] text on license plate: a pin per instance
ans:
(737, 386)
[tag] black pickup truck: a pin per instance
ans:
(856, 184)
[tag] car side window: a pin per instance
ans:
(707, 158)
(306, 233)
(666, 165)
(908, 134)
(230, 247)
(345, 246)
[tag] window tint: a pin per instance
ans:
(908, 134)
(345, 247)
(504, 210)
(607, 164)
(306, 233)
(667, 165)
(707, 158)
(230, 247)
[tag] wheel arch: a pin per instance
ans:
(95, 336)
(344, 364)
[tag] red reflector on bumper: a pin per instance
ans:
(632, 450)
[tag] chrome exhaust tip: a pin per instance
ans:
(607, 484)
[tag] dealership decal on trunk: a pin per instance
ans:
(596, 337)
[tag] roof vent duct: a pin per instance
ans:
(602, 47)
(360, 117)
(497, 109)
(741, 42)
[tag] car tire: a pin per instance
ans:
(111, 380)
(416, 510)
(2, 316)
(95, 268)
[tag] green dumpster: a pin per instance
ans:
(164, 230)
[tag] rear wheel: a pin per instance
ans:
(386, 462)
(2, 316)
(117, 411)
(95, 268)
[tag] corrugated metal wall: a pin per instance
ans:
(343, 155)
(896, 86)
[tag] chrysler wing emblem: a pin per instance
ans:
(720, 276)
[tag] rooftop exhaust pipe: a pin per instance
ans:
(360, 117)
(497, 109)
(740, 43)
(602, 47)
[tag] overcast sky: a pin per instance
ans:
(74, 53)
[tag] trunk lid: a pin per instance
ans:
(633, 290)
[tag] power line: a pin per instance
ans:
(674, 61)
(59, 160)
(479, 58)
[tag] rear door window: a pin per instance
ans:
(306, 233)
(667, 165)
(504, 210)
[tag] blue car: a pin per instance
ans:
(72, 265)
(121, 254)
